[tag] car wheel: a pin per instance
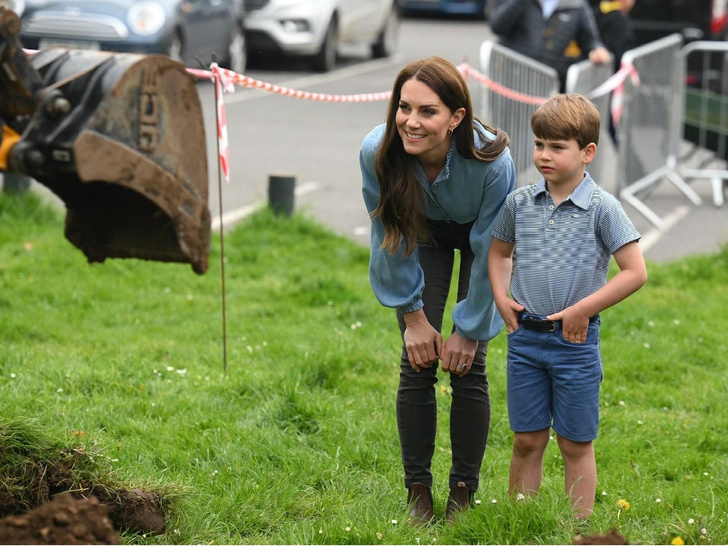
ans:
(175, 47)
(237, 57)
(386, 44)
(325, 59)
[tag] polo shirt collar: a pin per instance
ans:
(582, 194)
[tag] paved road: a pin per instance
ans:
(688, 229)
(318, 142)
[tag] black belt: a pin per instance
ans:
(543, 325)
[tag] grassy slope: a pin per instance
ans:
(297, 442)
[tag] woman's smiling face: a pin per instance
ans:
(423, 122)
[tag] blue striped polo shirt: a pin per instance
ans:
(562, 252)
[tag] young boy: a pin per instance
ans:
(552, 246)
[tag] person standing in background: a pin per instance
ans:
(553, 32)
(615, 29)
(614, 25)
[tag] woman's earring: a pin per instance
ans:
(449, 131)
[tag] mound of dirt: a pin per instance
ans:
(64, 520)
(612, 537)
(134, 510)
(137, 510)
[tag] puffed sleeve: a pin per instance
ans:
(397, 280)
(476, 317)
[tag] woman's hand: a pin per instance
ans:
(422, 341)
(457, 354)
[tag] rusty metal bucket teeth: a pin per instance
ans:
(120, 139)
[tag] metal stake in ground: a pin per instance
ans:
(222, 231)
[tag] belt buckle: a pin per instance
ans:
(549, 326)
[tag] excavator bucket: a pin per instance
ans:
(120, 139)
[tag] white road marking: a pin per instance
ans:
(655, 234)
(361, 230)
(233, 216)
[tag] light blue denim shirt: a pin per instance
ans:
(467, 190)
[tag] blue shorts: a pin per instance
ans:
(554, 383)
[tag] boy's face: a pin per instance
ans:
(561, 162)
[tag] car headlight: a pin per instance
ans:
(145, 18)
(18, 6)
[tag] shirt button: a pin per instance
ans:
(551, 207)
(551, 222)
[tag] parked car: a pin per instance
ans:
(186, 30)
(449, 7)
(315, 28)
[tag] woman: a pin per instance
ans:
(434, 180)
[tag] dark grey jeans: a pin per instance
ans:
(416, 396)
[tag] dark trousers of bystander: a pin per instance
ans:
(416, 396)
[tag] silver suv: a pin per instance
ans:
(315, 28)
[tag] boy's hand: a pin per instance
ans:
(509, 310)
(457, 354)
(574, 325)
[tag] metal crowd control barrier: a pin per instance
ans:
(648, 131)
(583, 78)
(706, 113)
(509, 112)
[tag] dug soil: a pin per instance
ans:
(612, 537)
(65, 510)
(64, 520)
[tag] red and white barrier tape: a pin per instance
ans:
(226, 79)
(617, 106)
(467, 70)
(222, 139)
(252, 83)
(229, 78)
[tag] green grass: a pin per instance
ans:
(297, 442)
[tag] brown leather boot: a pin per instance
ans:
(460, 499)
(419, 497)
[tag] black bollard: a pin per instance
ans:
(281, 193)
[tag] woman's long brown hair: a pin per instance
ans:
(402, 198)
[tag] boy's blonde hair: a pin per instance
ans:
(566, 116)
